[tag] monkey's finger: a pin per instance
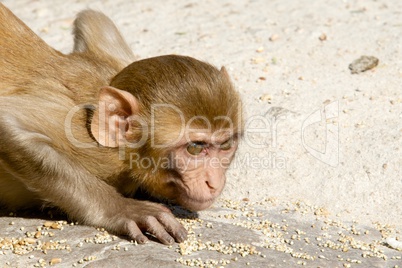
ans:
(173, 226)
(135, 233)
(154, 207)
(166, 209)
(154, 227)
(160, 207)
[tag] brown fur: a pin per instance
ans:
(52, 145)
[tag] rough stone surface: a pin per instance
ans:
(315, 132)
(231, 234)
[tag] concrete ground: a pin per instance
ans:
(316, 181)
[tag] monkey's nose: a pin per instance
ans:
(211, 187)
(209, 184)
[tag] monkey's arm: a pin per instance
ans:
(96, 34)
(57, 178)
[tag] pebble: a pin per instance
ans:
(363, 64)
(274, 37)
(323, 37)
(266, 97)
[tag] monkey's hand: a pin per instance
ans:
(136, 217)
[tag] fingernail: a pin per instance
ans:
(142, 240)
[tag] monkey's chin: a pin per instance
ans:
(196, 205)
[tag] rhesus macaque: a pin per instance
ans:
(84, 132)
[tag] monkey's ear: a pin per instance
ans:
(111, 120)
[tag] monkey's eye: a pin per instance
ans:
(195, 148)
(227, 145)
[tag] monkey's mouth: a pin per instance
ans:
(193, 198)
(195, 204)
(185, 201)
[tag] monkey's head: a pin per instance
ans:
(179, 121)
